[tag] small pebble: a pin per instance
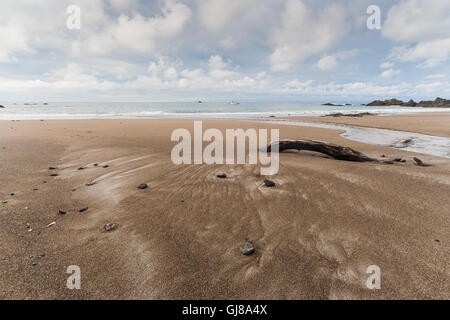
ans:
(247, 249)
(51, 224)
(52, 168)
(80, 168)
(437, 240)
(222, 176)
(53, 175)
(90, 184)
(84, 209)
(34, 264)
(388, 162)
(105, 166)
(269, 183)
(12, 194)
(62, 212)
(142, 186)
(5, 201)
(110, 227)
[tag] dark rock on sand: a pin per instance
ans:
(222, 176)
(420, 163)
(110, 227)
(388, 162)
(52, 168)
(142, 186)
(105, 166)
(247, 249)
(269, 183)
(90, 184)
(84, 210)
(407, 141)
(12, 194)
(54, 175)
(80, 168)
(62, 212)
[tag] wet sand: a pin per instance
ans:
(435, 124)
(315, 233)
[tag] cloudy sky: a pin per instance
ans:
(254, 50)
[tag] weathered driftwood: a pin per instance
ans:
(332, 150)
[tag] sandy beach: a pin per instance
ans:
(315, 233)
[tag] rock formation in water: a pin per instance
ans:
(438, 103)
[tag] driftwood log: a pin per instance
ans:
(335, 151)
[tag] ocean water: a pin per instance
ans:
(133, 110)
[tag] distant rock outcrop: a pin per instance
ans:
(438, 103)
(2, 107)
(339, 114)
(336, 104)
(390, 102)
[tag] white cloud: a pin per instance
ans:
(227, 43)
(303, 33)
(123, 4)
(436, 76)
(144, 34)
(389, 73)
(327, 63)
(364, 89)
(424, 28)
(214, 15)
(387, 65)
(331, 62)
(417, 20)
(13, 41)
(432, 53)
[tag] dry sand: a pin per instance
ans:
(315, 233)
